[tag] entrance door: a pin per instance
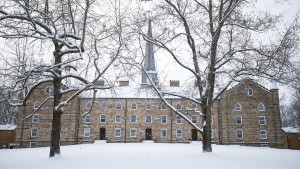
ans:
(148, 134)
(102, 133)
(194, 135)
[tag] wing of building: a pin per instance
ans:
(247, 114)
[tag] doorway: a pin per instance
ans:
(102, 133)
(194, 135)
(148, 134)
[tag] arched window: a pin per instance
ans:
(36, 105)
(163, 106)
(103, 106)
(133, 106)
(194, 106)
(148, 106)
(118, 106)
(88, 105)
(238, 107)
(261, 107)
(50, 90)
(248, 92)
(178, 106)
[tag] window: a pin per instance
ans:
(148, 106)
(238, 120)
(86, 132)
(194, 119)
(239, 134)
(163, 106)
(237, 107)
(179, 133)
(88, 105)
(263, 134)
(262, 120)
(32, 144)
(264, 145)
(132, 132)
(118, 118)
(194, 106)
(35, 118)
(103, 106)
(102, 118)
(87, 118)
(34, 132)
(261, 107)
(178, 106)
(248, 92)
(36, 105)
(163, 119)
(49, 90)
(212, 133)
(178, 119)
(133, 119)
(163, 133)
(211, 119)
(133, 106)
(118, 106)
(148, 119)
(117, 132)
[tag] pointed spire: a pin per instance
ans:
(149, 62)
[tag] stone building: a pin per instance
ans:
(247, 114)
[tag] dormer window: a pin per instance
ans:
(238, 107)
(49, 90)
(88, 105)
(148, 106)
(163, 106)
(118, 106)
(261, 107)
(36, 105)
(248, 92)
(178, 106)
(194, 106)
(133, 106)
(103, 106)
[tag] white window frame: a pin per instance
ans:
(237, 107)
(131, 118)
(236, 120)
(179, 134)
(87, 118)
(120, 119)
(247, 93)
(119, 106)
(163, 106)
(35, 118)
(51, 90)
(101, 118)
(133, 107)
(178, 119)
(103, 106)
(148, 108)
(88, 105)
(131, 132)
(161, 133)
(261, 107)
(262, 120)
(194, 117)
(148, 115)
(32, 133)
(36, 105)
(211, 119)
(211, 133)
(263, 134)
(86, 132)
(162, 119)
(119, 131)
(31, 143)
(178, 106)
(242, 132)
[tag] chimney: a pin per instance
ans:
(99, 83)
(124, 81)
(202, 83)
(174, 83)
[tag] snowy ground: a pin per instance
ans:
(150, 156)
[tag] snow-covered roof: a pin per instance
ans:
(291, 130)
(8, 127)
(247, 80)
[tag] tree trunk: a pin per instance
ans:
(206, 143)
(55, 134)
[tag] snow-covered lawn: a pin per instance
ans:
(150, 156)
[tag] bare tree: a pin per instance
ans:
(64, 27)
(220, 43)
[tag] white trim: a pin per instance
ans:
(237, 107)
(147, 106)
(36, 105)
(237, 134)
(211, 119)
(165, 119)
(104, 118)
(236, 121)
(48, 87)
(247, 93)
(195, 118)
(177, 116)
(86, 119)
(88, 105)
(135, 132)
(161, 133)
(150, 118)
(211, 133)
(161, 107)
(263, 120)
(30, 145)
(135, 118)
(261, 105)
(36, 133)
(118, 118)
(181, 133)
(116, 132)
(35, 118)
(117, 107)
(135, 106)
(178, 104)
(266, 134)
(103, 103)
(86, 132)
